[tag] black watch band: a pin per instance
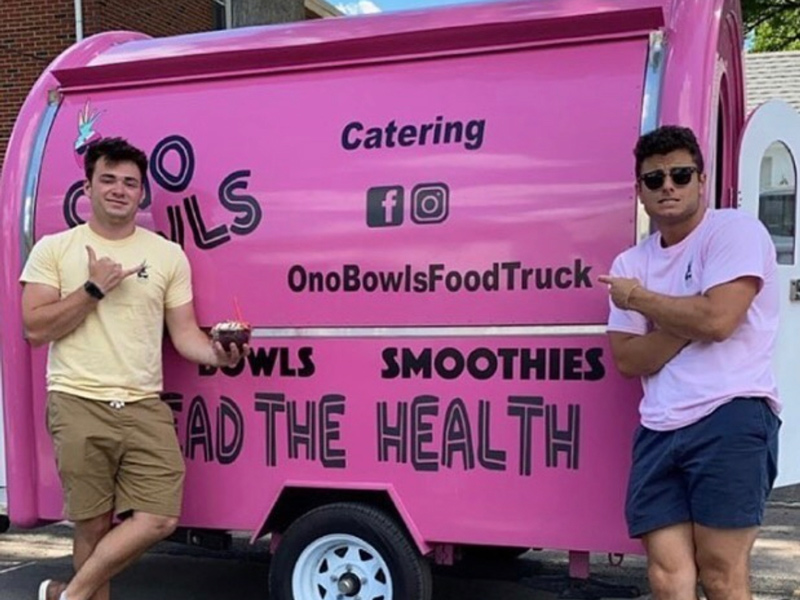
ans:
(94, 291)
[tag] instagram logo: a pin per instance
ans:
(385, 206)
(430, 203)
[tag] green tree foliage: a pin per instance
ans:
(774, 24)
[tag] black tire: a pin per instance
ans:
(5, 523)
(307, 545)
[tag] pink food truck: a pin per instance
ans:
(411, 210)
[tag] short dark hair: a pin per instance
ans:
(114, 150)
(664, 140)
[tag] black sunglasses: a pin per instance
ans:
(654, 180)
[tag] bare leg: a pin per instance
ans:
(723, 559)
(118, 549)
(88, 534)
(671, 565)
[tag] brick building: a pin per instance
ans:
(34, 32)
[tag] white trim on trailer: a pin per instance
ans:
(449, 331)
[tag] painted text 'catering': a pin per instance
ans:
(358, 136)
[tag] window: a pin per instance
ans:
(221, 10)
(777, 207)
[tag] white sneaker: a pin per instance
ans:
(50, 589)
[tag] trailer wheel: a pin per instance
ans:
(347, 550)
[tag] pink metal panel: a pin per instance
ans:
(508, 224)
(702, 38)
(535, 454)
(375, 38)
(508, 440)
(528, 442)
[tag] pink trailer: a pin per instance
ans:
(412, 211)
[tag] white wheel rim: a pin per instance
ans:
(341, 567)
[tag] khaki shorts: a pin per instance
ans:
(121, 459)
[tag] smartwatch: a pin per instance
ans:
(94, 291)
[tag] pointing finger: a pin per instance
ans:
(92, 255)
(607, 279)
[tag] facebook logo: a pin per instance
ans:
(385, 206)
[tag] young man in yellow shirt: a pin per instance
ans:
(100, 294)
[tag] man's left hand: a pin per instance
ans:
(620, 289)
(230, 358)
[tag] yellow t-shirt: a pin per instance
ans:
(115, 354)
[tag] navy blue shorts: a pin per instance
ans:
(717, 472)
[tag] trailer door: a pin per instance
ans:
(768, 189)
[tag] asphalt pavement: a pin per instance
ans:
(173, 571)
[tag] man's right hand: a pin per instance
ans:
(107, 274)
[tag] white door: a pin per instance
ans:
(768, 189)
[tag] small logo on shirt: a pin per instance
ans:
(142, 275)
(688, 275)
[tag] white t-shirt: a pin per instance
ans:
(727, 244)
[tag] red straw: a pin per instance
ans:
(238, 310)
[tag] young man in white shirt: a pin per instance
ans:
(694, 313)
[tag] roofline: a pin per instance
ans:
(371, 38)
(322, 9)
(751, 55)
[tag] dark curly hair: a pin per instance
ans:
(115, 150)
(664, 140)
